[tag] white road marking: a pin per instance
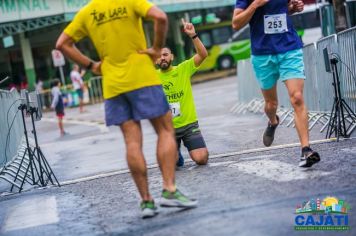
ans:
(31, 213)
(118, 172)
(277, 170)
(351, 150)
(223, 163)
(255, 150)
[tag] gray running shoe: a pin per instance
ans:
(177, 199)
(268, 135)
(309, 157)
(148, 209)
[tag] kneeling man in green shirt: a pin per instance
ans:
(177, 87)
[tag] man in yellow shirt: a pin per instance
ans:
(132, 89)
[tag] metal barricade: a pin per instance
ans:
(325, 92)
(311, 82)
(10, 139)
(318, 89)
(96, 90)
(347, 53)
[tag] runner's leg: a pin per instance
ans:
(295, 91)
(271, 104)
(166, 149)
(135, 159)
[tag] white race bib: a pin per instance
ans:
(275, 24)
(175, 109)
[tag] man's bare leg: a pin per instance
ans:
(295, 91)
(271, 104)
(134, 155)
(200, 156)
(166, 149)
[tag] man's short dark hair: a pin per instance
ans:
(170, 50)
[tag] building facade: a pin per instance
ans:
(29, 29)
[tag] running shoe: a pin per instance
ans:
(268, 135)
(177, 199)
(148, 209)
(180, 161)
(309, 157)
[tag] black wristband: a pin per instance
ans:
(89, 66)
(195, 36)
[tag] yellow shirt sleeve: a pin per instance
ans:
(76, 29)
(142, 6)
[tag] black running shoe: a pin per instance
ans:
(309, 157)
(268, 135)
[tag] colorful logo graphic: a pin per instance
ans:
(328, 214)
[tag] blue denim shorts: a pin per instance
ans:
(145, 103)
(269, 68)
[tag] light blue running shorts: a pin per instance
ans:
(269, 68)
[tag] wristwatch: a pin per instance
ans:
(195, 36)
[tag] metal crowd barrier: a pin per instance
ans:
(95, 90)
(347, 51)
(9, 140)
(71, 99)
(318, 89)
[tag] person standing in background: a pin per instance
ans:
(57, 104)
(78, 85)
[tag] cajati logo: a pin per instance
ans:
(327, 214)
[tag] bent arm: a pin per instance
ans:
(201, 54)
(242, 17)
(66, 45)
(160, 26)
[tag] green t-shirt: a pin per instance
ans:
(178, 89)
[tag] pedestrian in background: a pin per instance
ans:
(131, 86)
(58, 104)
(277, 55)
(39, 90)
(76, 75)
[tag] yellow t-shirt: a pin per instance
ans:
(115, 28)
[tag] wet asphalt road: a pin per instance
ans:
(242, 194)
(253, 194)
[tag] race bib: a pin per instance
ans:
(175, 109)
(275, 24)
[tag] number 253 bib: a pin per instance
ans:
(275, 24)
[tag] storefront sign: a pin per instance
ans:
(15, 10)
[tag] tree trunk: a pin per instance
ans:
(340, 15)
